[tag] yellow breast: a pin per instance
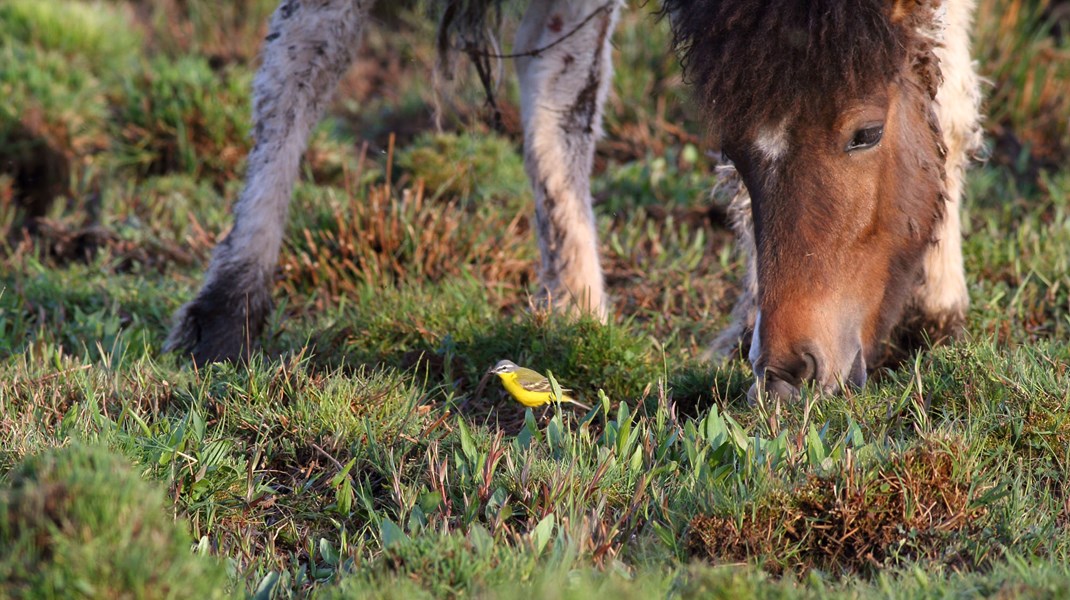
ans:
(523, 396)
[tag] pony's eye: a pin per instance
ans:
(867, 137)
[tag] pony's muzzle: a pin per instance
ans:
(773, 388)
(784, 379)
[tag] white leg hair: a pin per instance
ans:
(744, 313)
(310, 46)
(563, 87)
(943, 297)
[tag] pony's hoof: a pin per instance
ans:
(218, 327)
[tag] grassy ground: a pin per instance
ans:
(363, 454)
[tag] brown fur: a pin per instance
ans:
(839, 237)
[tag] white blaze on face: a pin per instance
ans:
(772, 141)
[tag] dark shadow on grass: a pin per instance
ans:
(697, 387)
(583, 355)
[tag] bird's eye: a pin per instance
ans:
(867, 137)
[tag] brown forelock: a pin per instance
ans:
(754, 61)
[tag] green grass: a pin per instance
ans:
(364, 454)
(78, 522)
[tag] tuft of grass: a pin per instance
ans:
(77, 521)
(224, 32)
(182, 116)
(1020, 275)
(452, 335)
(172, 208)
(342, 240)
(651, 112)
(1028, 107)
(465, 165)
(50, 122)
(58, 58)
(922, 504)
(673, 179)
(92, 34)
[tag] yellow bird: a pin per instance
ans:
(530, 388)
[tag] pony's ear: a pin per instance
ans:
(925, 21)
(903, 10)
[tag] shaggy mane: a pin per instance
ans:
(757, 60)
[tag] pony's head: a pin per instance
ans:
(826, 109)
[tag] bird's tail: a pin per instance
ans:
(571, 400)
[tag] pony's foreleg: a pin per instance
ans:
(943, 296)
(734, 336)
(564, 78)
(309, 47)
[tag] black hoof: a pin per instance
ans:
(220, 324)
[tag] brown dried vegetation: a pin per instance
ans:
(858, 520)
(225, 32)
(1028, 107)
(390, 235)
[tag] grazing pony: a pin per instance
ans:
(850, 123)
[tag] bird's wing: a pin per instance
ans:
(535, 382)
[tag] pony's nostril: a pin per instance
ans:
(857, 376)
(799, 369)
(772, 383)
(778, 388)
(810, 368)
